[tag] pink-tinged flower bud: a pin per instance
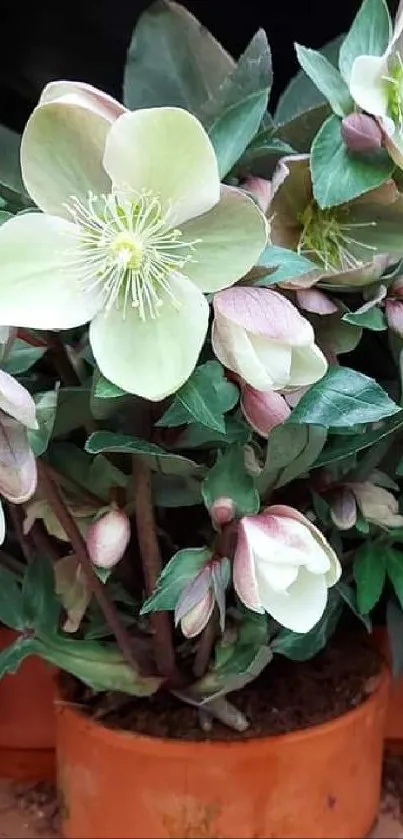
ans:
(343, 508)
(361, 133)
(263, 410)
(396, 289)
(260, 189)
(315, 301)
(377, 505)
(107, 538)
(18, 473)
(283, 565)
(222, 511)
(261, 336)
(394, 315)
(16, 401)
(196, 603)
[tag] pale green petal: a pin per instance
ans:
(308, 365)
(233, 347)
(394, 146)
(367, 86)
(61, 155)
(232, 236)
(167, 152)
(38, 279)
(152, 358)
(85, 95)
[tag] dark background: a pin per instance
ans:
(87, 39)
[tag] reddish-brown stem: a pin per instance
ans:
(78, 544)
(152, 566)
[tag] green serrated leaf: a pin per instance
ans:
(22, 357)
(158, 459)
(180, 570)
(229, 478)
(341, 449)
(173, 60)
(301, 130)
(341, 398)
(338, 175)
(368, 35)
(46, 407)
(286, 265)
(301, 94)
(104, 389)
(369, 574)
(204, 399)
(373, 319)
(326, 78)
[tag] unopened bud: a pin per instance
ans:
(222, 511)
(316, 301)
(343, 509)
(263, 410)
(394, 315)
(107, 538)
(361, 133)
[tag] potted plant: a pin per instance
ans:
(209, 486)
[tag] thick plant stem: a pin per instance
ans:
(123, 639)
(152, 566)
(204, 648)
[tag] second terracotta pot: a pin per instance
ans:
(324, 781)
(27, 718)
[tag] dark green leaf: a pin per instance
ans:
(173, 60)
(22, 357)
(338, 175)
(371, 319)
(326, 78)
(369, 35)
(301, 129)
(229, 478)
(40, 605)
(198, 436)
(339, 448)
(104, 389)
(11, 657)
(46, 407)
(349, 596)
(11, 609)
(180, 570)
(369, 574)
(341, 398)
(73, 410)
(158, 459)
(394, 570)
(204, 398)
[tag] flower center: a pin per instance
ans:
(394, 89)
(326, 239)
(129, 251)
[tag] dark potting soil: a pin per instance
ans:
(289, 695)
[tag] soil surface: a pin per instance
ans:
(288, 696)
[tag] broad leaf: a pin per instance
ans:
(22, 357)
(339, 448)
(236, 113)
(46, 407)
(338, 175)
(73, 410)
(300, 131)
(173, 60)
(343, 397)
(198, 436)
(40, 606)
(11, 608)
(104, 389)
(369, 574)
(204, 398)
(290, 452)
(180, 570)
(229, 478)
(394, 570)
(301, 94)
(286, 265)
(11, 657)
(96, 474)
(158, 459)
(368, 35)
(326, 78)
(350, 598)
(373, 319)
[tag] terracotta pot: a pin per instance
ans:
(324, 781)
(27, 718)
(394, 713)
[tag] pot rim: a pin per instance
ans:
(148, 743)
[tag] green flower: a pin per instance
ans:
(352, 244)
(135, 228)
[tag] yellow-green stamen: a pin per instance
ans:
(326, 238)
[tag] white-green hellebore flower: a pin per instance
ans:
(135, 228)
(376, 85)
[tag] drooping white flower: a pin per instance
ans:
(135, 227)
(283, 565)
